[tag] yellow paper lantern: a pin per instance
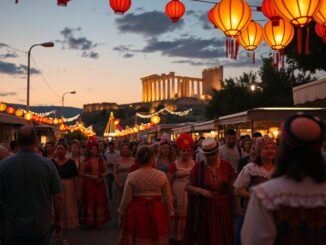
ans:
(232, 16)
(298, 12)
(55, 121)
(11, 110)
(251, 37)
(155, 119)
(278, 37)
(19, 113)
(3, 106)
(320, 15)
(28, 116)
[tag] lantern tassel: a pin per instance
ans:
(277, 59)
(307, 41)
(236, 49)
(232, 49)
(299, 41)
(16, 2)
(227, 48)
(282, 57)
(253, 57)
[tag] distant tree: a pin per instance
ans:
(275, 89)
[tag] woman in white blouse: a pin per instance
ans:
(291, 208)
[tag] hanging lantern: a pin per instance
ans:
(175, 10)
(232, 16)
(278, 37)
(62, 127)
(11, 110)
(321, 31)
(28, 116)
(270, 11)
(251, 37)
(19, 113)
(55, 121)
(120, 6)
(320, 15)
(210, 16)
(155, 119)
(62, 3)
(3, 106)
(299, 13)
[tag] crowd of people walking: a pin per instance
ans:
(250, 190)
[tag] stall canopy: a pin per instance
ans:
(313, 93)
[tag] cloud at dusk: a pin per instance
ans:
(6, 94)
(150, 24)
(70, 41)
(13, 69)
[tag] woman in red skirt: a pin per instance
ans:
(94, 209)
(143, 215)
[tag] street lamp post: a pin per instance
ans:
(63, 100)
(46, 45)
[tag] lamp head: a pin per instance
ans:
(73, 92)
(47, 44)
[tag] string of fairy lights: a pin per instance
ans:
(176, 113)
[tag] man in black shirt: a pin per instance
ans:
(28, 185)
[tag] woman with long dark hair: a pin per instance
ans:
(291, 208)
(146, 204)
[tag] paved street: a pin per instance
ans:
(107, 235)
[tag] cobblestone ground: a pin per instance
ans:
(106, 235)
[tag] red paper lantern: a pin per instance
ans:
(11, 110)
(270, 11)
(63, 2)
(175, 10)
(120, 6)
(321, 31)
(210, 16)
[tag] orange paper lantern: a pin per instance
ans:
(28, 116)
(155, 119)
(278, 37)
(321, 31)
(251, 37)
(175, 10)
(120, 6)
(11, 110)
(19, 113)
(232, 16)
(270, 11)
(320, 15)
(3, 106)
(299, 13)
(210, 16)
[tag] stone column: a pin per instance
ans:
(192, 88)
(164, 90)
(155, 90)
(169, 88)
(173, 88)
(149, 89)
(159, 88)
(198, 89)
(179, 88)
(185, 87)
(144, 91)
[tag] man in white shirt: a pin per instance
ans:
(111, 156)
(231, 152)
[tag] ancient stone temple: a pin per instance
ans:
(169, 86)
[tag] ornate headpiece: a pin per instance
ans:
(185, 141)
(91, 141)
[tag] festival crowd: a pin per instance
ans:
(248, 190)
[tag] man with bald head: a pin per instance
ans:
(28, 184)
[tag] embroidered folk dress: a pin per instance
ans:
(122, 172)
(178, 222)
(68, 172)
(94, 209)
(146, 217)
(210, 221)
(252, 175)
(283, 211)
